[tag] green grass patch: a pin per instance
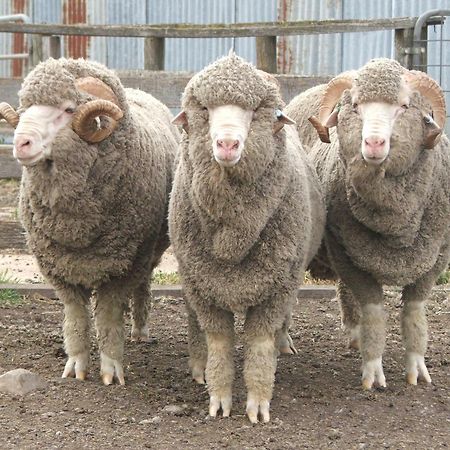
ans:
(165, 277)
(9, 296)
(444, 277)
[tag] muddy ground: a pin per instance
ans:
(318, 402)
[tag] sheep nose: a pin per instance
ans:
(23, 145)
(374, 146)
(228, 144)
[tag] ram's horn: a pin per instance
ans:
(97, 88)
(84, 122)
(9, 114)
(330, 97)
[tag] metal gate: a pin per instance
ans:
(431, 50)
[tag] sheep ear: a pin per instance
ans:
(181, 119)
(282, 120)
(432, 132)
(332, 119)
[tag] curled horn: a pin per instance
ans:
(9, 114)
(330, 97)
(84, 122)
(428, 88)
(85, 125)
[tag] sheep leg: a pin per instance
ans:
(415, 328)
(76, 330)
(108, 312)
(139, 312)
(284, 341)
(262, 325)
(220, 365)
(198, 352)
(350, 314)
(369, 293)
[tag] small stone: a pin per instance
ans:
(334, 434)
(21, 381)
(153, 420)
(173, 409)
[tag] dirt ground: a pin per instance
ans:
(318, 402)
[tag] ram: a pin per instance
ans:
(97, 171)
(385, 178)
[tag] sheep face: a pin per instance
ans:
(228, 127)
(384, 115)
(37, 129)
(64, 98)
(378, 119)
(224, 104)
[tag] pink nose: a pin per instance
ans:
(228, 144)
(374, 146)
(23, 146)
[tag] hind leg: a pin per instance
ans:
(350, 314)
(284, 342)
(139, 312)
(198, 352)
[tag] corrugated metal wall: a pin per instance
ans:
(305, 55)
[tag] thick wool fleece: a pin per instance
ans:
(392, 221)
(379, 80)
(98, 212)
(242, 235)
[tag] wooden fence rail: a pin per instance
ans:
(265, 33)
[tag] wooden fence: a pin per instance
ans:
(168, 87)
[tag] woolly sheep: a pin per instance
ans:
(246, 215)
(385, 177)
(98, 167)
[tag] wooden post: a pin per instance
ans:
(266, 53)
(154, 53)
(37, 52)
(403, 46)
(55, 47)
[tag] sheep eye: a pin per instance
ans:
(355, 107)
(70, 110)
(405, 106)
(204, 108)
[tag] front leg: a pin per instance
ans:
(415, 327)
(263, 326)
(369, 294)
(219, 331)
(109, 311)
(76, 329)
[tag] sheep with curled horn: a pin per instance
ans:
(246, 215)
(97, 171)
(385, 178)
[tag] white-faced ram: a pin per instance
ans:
(97, 171)
(386, 181)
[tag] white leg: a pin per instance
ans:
(415, 337)
(259, 373)
(373, 337)
(108, 312)
(355, 337)
(372, 373)
(76, 331)
(220, 372)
